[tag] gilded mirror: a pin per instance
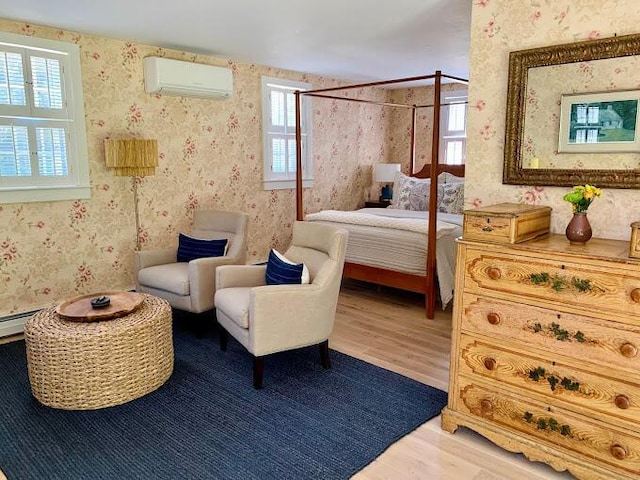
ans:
(551, 90)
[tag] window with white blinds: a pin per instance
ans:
(453, 127)
(43, 153)
(279, 133)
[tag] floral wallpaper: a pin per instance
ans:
(210, 157)
(499, 27)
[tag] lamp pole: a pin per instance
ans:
(135, 206)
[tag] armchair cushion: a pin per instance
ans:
(234, 302)
(172, 277)
(281, 270)
(190, 248)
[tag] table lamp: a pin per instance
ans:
(385, 173)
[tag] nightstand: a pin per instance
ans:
(376, 204)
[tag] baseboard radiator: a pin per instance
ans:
(14, 324)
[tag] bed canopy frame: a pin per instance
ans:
(405, 281)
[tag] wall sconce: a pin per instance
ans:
(385, 173)
(132, 158)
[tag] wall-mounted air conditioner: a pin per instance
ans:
(175, 77)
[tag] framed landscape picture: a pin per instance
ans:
(599, 122)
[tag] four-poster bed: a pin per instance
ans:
(387, 276)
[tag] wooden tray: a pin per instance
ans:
(79, 309)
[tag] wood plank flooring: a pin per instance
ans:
(388, 328)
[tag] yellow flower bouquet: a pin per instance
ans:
(581, 197)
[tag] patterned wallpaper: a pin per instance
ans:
(210, 157)
(501, 26)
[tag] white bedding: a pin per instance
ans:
(396, 240)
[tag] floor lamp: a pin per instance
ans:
(132, 158)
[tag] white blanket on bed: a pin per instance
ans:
(387, 218)
(393, 239)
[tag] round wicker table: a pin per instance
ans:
(89, 365)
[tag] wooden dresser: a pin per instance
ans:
(545, 354)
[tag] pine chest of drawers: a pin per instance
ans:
(545, 356)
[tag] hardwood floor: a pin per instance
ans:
(388, 328)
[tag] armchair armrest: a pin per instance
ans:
(202, 279)
(151, 258)
(305, 312)
(240, 276)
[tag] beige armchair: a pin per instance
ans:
(272, 318)
(191, 285)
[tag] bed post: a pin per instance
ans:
(430, 296)
(412, 147)
(299, 210)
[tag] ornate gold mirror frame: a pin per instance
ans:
(519, 64)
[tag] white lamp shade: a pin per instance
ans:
(385, 172)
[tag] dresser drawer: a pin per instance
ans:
(496, 229)
(553, 426)
(577, 336)
(546, 376)
(584, 287)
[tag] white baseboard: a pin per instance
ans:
(13, 327)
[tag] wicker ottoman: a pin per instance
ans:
(85, 366)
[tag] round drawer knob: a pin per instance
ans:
(490, 363)
(493, 318)
(618, 451)
(635, 295)
(622, 401)
(494, 273)
(486, 406)
(629, 350)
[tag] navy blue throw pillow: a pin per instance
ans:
(190, 248)
(281, 272)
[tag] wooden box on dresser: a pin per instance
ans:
(545, 352)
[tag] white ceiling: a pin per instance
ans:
(357, 40)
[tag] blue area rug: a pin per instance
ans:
(207, 421)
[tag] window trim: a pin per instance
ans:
(271, 181)
(79, 184)
(444, 118)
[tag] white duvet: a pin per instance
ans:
(390, 218)
(397, 240)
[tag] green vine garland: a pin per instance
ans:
(549, 423)
(559, 283)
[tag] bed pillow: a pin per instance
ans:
(190, 248)
(446, 177)
(281, 270)
(409, 190)
(414, 194)
(452, 198)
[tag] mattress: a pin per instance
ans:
(397, 240)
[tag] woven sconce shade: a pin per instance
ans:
(132, 157)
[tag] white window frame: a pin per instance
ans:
(76, 184)
(448, 97)
(271, 179)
